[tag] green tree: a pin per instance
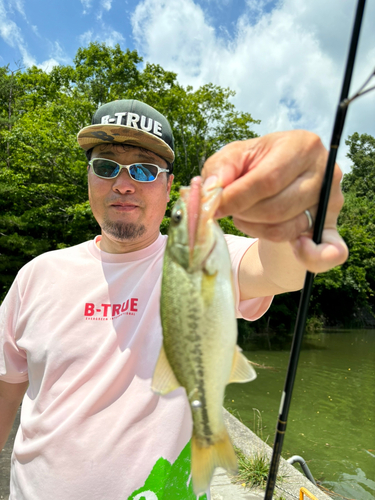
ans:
(10, 90)
(345, 294)
(102, 73)
(44, 191)
(361, 180)
(43, 181)
(203, 121)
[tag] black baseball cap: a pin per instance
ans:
(128, 121)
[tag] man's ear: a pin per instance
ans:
(169, 184)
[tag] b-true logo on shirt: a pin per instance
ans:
(105, 312)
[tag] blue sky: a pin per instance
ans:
(284, 58)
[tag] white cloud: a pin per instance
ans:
(106, 4)
(35, 30)
(86, 5)
(48, 65)
(113, 37)
(18, 6)
(57, 54)
(106, 35)
(86, 37)
(163, 34)
(285, 65)
(12, 35)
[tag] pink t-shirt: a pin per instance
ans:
(83, 326)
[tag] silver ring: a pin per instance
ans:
(310, 219)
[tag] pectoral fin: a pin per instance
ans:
(164, 380)
(242, 371)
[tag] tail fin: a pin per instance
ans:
(204, 459)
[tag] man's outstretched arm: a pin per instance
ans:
(10, 399)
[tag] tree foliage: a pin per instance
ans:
(43, 181)
(347, 292)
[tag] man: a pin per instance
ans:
(80, 328)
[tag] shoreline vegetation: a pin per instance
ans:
(250, 339)
(43, 174)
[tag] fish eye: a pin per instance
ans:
(177, 216)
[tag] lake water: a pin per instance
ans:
(331, 422)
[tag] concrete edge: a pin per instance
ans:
(248, 442)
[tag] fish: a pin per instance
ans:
(197, 308)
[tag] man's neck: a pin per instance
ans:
(109, 245)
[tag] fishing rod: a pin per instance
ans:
(317, 236)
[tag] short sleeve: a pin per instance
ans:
(251, 309)
(13, 361)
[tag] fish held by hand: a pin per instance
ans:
(199, 350)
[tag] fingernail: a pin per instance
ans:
(211, 182)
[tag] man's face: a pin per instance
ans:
(128, 212)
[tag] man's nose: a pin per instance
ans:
(123, 183)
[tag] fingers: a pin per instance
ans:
(269, 182)
(320, 258)
(291, 229)
(284, 206)
(269, 179)
(285, 231)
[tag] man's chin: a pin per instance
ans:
(121, 231)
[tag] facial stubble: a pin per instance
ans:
(123, 231)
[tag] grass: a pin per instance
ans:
(253, 470)
(314, 324)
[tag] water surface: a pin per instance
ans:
(331, 422)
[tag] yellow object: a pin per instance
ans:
(304, 493)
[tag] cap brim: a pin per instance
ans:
(93, 135)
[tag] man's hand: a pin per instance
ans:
(268, 184)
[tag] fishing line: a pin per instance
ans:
(317, 236)
(360, 92)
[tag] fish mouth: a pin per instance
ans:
(208, 205)
(209, 254)
(201, 207)
(193, 213)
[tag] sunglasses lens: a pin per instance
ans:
(105, 168)
(143, 172)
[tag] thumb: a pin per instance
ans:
(320, 258)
